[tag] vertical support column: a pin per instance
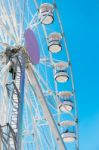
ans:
(21, 103)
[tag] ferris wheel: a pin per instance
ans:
(38, 109)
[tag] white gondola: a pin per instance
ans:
(61, 65)
(61, 74)
(65, 94)
(54, 42)
(46, 13)
(66, 106)
(67, 123)
(68, 137)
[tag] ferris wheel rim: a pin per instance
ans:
(51, 60)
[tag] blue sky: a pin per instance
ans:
(80, 20)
